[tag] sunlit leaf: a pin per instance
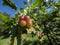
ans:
(21, 10)
(4, 18)
(58, 4)
(36, 4)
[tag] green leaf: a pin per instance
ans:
(10, 4)
(30, 0)
(4, 18)
(58, 4)
(36, 4)
(21, 10)
(25, 3)
(57, 18)
(4, 4)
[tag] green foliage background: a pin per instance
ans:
(48, 23)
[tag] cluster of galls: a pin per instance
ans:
(25, 21)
